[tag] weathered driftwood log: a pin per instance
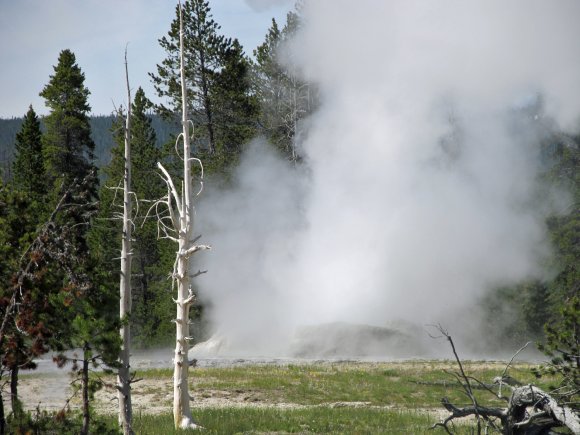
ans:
(530, 411)
(530, 406)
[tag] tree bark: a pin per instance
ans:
(2, 416)
(530, 411)
(544, 408)
(181, 407)
(85, 393)
(124, 373)
(16, 408)
(180, 229)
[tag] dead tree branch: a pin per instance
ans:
(529, 410)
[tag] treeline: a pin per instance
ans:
(516, 314)
(101, 134)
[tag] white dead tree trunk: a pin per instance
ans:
(177, 225)
(124, 373)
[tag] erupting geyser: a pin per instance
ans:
(420, 168)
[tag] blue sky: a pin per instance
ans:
(33, 32)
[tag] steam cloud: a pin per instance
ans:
(415, 196)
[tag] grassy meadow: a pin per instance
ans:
(324, 397)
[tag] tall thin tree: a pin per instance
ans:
(220, 98)
(85, 305)
(177, 225)
(124, 373)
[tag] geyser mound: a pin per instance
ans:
(328, 341)
(340, 339)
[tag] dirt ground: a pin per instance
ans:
(155, 396)
(51, 389)
(151, 396)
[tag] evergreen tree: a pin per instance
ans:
(216, 80)
(562, 346)
(151, 257)
(285, 98)
(67, 144)
(203, 49)
(23, 202)
(17, 348)
(28, 165)
(268, 78)
(239, 110)
(565, 229)
(41, 284)
(86, 306)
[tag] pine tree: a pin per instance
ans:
(268, 79)
(562, 346)
(239, 110)
(18, 345)
(284, 97)
(151, 257)
(203, 48)
(28, 165)
(67, 144)
(86, 306)
(220, 102)
(565, 229)
(23, 203)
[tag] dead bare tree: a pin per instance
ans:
(298, 104)
(124, 372)
(529, 410)
(175, 214)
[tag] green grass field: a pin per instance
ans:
(337, 398)
(318, 420)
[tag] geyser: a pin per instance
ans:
(418, 189)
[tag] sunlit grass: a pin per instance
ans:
(310, 420)
(413, 384)
(321, 397)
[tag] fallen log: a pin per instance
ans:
(530, 410)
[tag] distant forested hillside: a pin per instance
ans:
(8, 130)
(100, 131)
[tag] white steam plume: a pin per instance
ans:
(415, 196)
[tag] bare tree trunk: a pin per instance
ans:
(183, 226)
(2, 416)
(177, 226)
(16, 408)
(124, 374)
(85, 393)
(181, 408)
